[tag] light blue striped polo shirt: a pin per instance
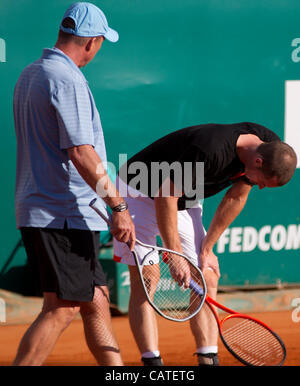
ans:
(54, 110)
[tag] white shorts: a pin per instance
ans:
(142, 211)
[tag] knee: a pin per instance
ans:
(137, 293)
(212, 281)
(61, 317)
(100, 304)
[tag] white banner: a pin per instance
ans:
(292, 116)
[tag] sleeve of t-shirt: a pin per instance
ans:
(264, 133)
(74, 116)
(271, 136)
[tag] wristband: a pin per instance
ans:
(121, 207)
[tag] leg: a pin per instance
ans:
(204, 326)
(98, 329)
(142, 317)
(40, 338)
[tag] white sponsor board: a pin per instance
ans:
(2, 311)
(2, 50)
(246, 239)
(292, 116)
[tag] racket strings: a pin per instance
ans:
(252, 342)
(172, 299)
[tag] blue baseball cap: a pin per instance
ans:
(89, 21)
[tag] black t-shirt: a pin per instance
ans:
(213, 144)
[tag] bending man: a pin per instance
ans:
(237, 156)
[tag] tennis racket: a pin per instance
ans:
(170, 299)
(249, 340)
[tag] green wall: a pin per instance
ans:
(177, 63)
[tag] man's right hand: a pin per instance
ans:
(179, 269)
(123, 228)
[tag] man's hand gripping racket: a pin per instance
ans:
(174, 300)
(249, 340)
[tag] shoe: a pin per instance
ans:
(209, 359)
(157, 361)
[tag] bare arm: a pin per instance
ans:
(90, 167)
(166, 216)
(230, 207)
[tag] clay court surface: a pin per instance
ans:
(176, 342)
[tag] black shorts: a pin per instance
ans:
(64, 261)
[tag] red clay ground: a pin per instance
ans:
(176, 342)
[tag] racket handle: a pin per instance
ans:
(93, 204)
(195, 287)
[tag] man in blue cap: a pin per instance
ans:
(60, 164)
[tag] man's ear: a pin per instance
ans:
(89, 44)
(258, 162)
